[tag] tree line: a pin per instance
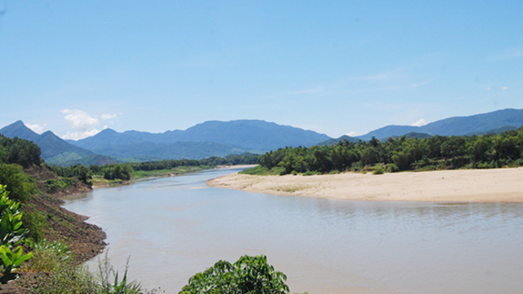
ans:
(401, 154)
(124, 171)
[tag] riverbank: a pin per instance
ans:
(479, 185)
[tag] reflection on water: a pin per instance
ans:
(172, 230)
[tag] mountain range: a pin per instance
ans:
(492, 122)
(218, 138)
(212, 138)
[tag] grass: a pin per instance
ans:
(63, 276)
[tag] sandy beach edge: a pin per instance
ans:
(475, 185)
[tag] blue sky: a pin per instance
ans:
(335, 67)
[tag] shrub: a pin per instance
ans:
(392, 168)
(247, 275)
(49, 256)
(378, 170)
(70, 278)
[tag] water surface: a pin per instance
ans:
(174, 227)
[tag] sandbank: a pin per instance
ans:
(478, 185)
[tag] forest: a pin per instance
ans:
(399, 154)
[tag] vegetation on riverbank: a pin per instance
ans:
(398, 154)
(119, 173)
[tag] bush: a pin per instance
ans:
(49, 256)
(378, 170)
(392, 168)
(247, 275)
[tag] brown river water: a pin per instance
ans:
(173, 227)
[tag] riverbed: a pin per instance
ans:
(174, 227)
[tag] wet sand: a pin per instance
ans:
(479, 185)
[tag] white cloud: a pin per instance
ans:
(488, 89)
(83, 124)
(504, 88)
(80, 134)
(351, 134)
(80, 119)
(37, 128)
(419, 123)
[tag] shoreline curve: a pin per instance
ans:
(473, 185)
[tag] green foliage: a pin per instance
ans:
(247, 275)
(70, 278)
(260, 170)
(48, 256)
(122, 172)
(378, 170)
(12, 235)
(19, 184)
(399, 154)
(57, 185)
(19, 151)
(67, 278)
(35, 221)
(392, 168)
(11, 260)
(126, 171)
(82, 173)
(108, 279)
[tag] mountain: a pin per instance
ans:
(18, 129)
(211, 138)
(55, 151)
(457, 126)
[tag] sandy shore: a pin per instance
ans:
(486, 185)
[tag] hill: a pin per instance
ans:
(492, 122)
(55, 151)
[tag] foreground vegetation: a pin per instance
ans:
(398, 154)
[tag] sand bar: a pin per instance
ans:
(480, 185)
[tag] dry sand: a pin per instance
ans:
(485, 185)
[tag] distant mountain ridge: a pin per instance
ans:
(210, 138)
(55, 151)
(456, 126)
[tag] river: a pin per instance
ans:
(173, 227)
